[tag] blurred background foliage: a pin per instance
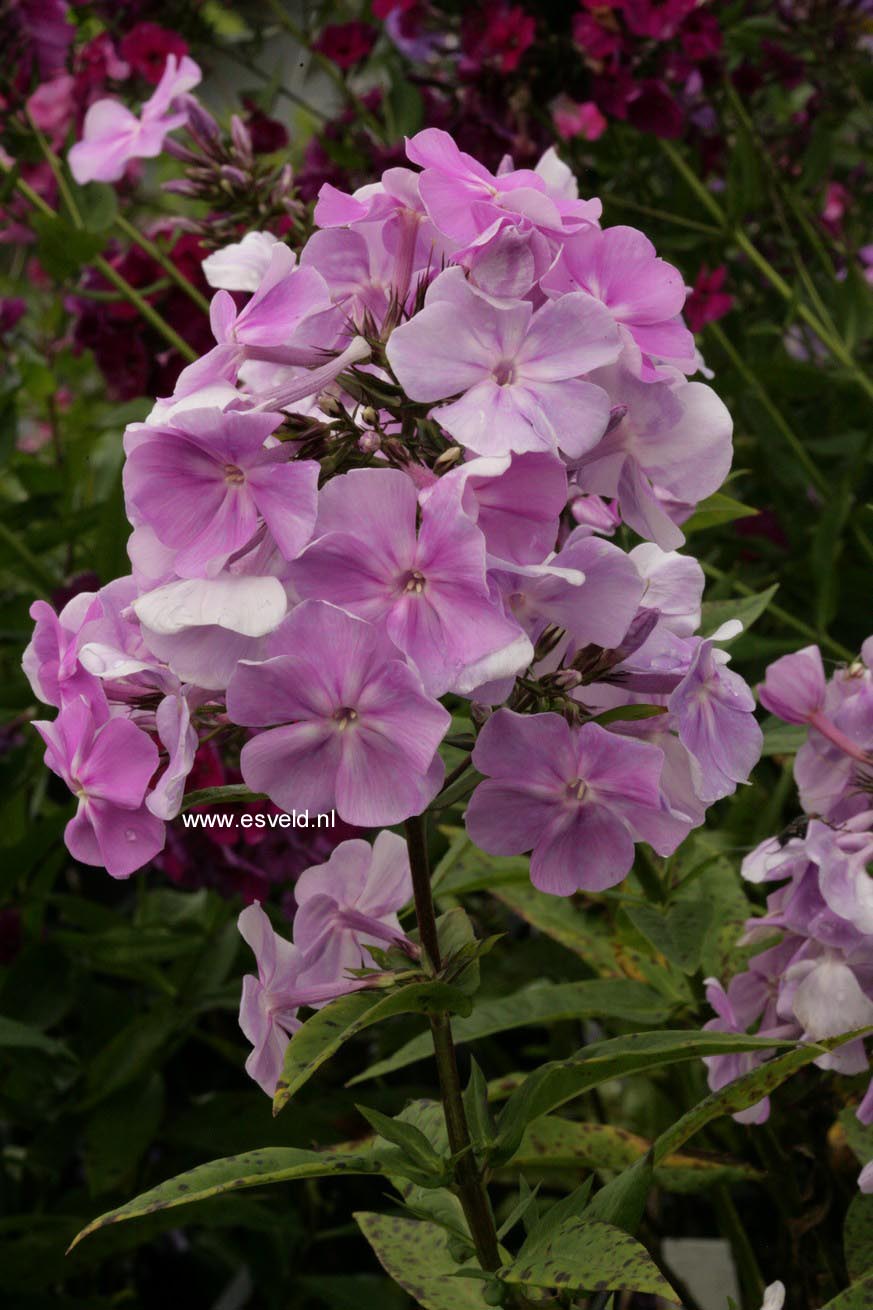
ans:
(740, 141)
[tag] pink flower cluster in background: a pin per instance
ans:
(814, 979)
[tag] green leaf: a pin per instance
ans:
(97, 204)
(746, 1091)
(120, 1131)
(628, 714)
(232, 794)
(561, 1080)
(552, 1143)
(783, 738)
(622, 1200)
(569, 1207)
(63, 249)
(538, 1003)
(747, 609)
(680, 932)
(714, 512)
(19, 1036)
(250, 1169)
(478, 1111)
(327, 1030)
(858, 1237)
(856, 1297)
(590, 1257)
(580, 931)
(416, 1255)
(410, 1140)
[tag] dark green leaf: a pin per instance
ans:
(590, 1257)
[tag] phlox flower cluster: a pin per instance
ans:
(384, 496)
(814, 977)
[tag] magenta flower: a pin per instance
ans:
(346, 44)
(360, 735)
(428, 590)
(205, 482)
(578, 798)
(658, 19)
(112, 136)
(519, 370)
(708, 301)
(714, 712)
(572, 118)
(619, 267)
(108, 766)
(147, 46)
(351, 902)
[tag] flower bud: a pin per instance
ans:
(448, 458)
(329, 404)
(368, 416)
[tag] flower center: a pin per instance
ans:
(577, 789)
(344, 716)
(504, 373)
(413, 582)
(234, 474)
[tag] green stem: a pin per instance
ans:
(751, 1281)
(57, 170)
(154, 252)
(797, 447)
(39, 574)
(469, 1181)
(831, 340)
(778, 612)
(130, 294)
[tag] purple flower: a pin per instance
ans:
(577, 797)
(519, 370)
(112, 136)
(108, 766)
(205, 483)
(351, 902)
(714, 712)
(619, 267)
(428, 592)
(360, 733)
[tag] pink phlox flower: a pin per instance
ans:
(463, 198)
(518, 370)
(351, 902)
(112, 135)
(107, 763)
(287, 979)
(671, 439)
(794, 687)
(619, 267)
(427, 590)
(206, 483)
(577, 797)
(349, 725)
(714, 713)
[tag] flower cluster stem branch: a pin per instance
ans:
(468, 1178)
(154, 252)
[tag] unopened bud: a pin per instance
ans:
(369, 443)
(459, 1250)
(182, 187)
(567, 679)
(241, 138)
(329, 404)
(448, 458)
(493, 1293)
(368, 416)
(201, 123)
(235, 176)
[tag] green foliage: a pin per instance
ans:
(591, 1257)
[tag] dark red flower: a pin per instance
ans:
(708, 300)
(655, 110)
(267, 134)
(597, 38)
(700, 35)
(346, 44)
(146, 47)
(498, 34)
(657, 19)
